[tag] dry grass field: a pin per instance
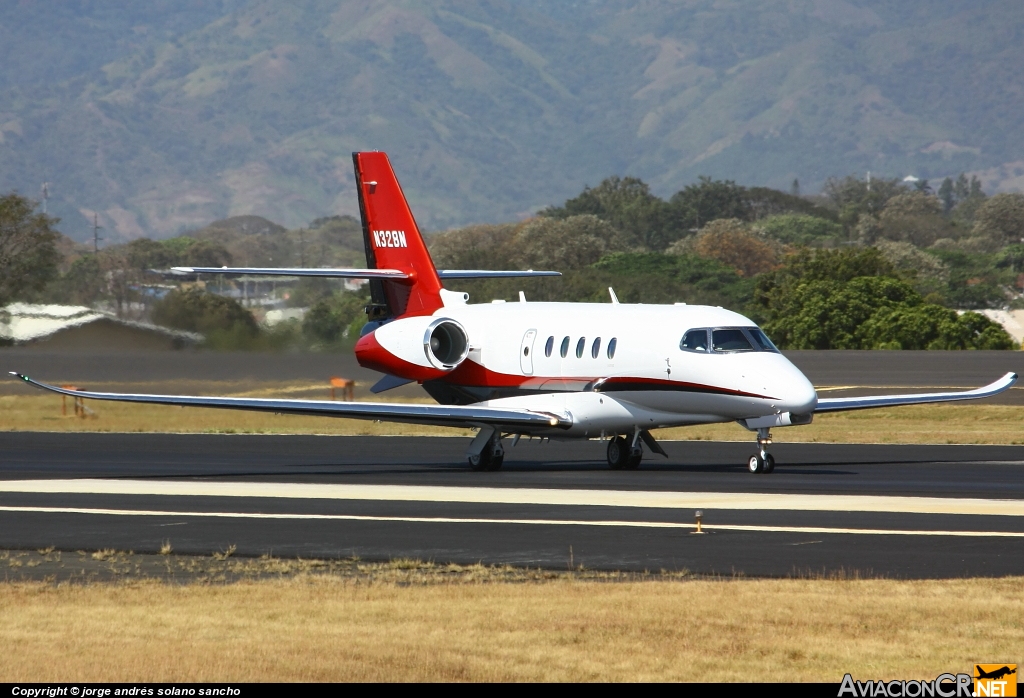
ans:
(405, 621)
(949, 423)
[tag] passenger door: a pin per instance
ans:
(526, 352)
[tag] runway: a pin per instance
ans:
(898, 511)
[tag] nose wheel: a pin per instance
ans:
(762, 461)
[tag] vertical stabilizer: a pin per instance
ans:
(393, 240)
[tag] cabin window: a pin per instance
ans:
(548, 346)
(761, 340)
(564, 349)
(694, 340)
(730, 340)
(579, 347)
(611, 347)
(595, 348)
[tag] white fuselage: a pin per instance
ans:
(648, 382)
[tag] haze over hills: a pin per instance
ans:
(164, 116)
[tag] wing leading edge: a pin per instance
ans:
(439, 415)
(841, 404)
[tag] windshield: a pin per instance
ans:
(730, 340)
(725, 340)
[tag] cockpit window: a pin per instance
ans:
(694, 340)
(761, 340)
(730, 340)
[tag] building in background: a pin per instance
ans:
(78, 327)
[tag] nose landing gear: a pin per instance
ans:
(762, 461)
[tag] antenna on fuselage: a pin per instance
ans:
(522, 297)
(611, 292)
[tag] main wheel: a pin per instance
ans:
(633, 460)
(487, 460)
(756, 464)
(618, 453)
(481, 461)
(769, 463)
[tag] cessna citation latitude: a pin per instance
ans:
(553, 370)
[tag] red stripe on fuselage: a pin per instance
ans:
(626, 383)
(470, 374)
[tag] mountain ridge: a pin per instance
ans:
(165, 117)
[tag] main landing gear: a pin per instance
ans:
(625, 453)
(762, 461)
(624, 456)
(486, 451)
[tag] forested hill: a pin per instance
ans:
(165, 115)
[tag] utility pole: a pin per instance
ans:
(45, 195)
(96, 228)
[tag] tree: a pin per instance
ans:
(800, 229)
(829, 265)
(628, 204)
(336, 319)
(929, 326)
(561, 245)
(84, 282)
(914, 217)
(828, 314)
(853, 197)
(850, 299)
(28, 248)
(762, 202)
(730, 242)
(927, 272)
(967, 196)
(708, 200)
(197, 311)
(473, 247)
(947, 196)
(1001, 217)
(653, 277)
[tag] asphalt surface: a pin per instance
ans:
(897, 511)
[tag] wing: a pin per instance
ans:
(361, 273)
(840, 404)
(440, 415)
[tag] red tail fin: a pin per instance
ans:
(393, 240)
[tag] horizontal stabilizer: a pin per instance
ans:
(272, 271)
(360, 273)
(842, 404)
(487, 274)
(511, 419)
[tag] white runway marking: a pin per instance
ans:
(514, 495)
(534, 522)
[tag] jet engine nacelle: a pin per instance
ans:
(420, 348)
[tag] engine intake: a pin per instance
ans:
(445, 343)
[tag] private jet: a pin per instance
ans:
(614, 371)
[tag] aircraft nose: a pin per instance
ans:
(790, 386)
